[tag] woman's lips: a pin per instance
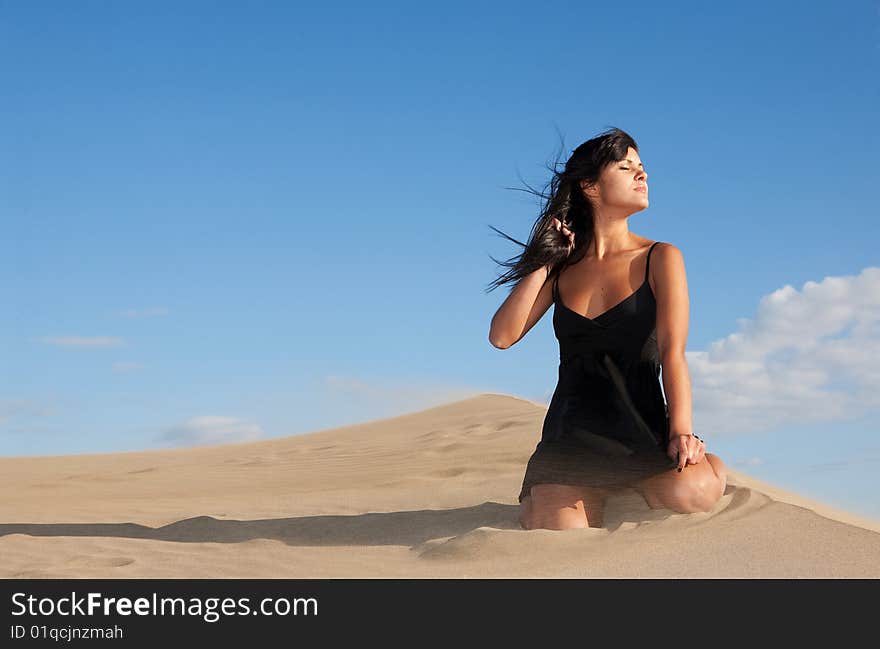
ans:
(642, 189)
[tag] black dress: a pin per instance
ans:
(607, 424)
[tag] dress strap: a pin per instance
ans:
(555, 289)
(648, 264)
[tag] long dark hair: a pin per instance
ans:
(564, 199)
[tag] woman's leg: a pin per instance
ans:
(561, 507)
(696, 489)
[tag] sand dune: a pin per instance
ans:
(429, 494)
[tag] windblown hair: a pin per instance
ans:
(564, 199)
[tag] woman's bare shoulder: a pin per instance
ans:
(666, 249)
(667, 261)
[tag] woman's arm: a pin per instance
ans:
(673, 305)
(526, 304)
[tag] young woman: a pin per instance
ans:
(620, 314)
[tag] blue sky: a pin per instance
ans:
(226, 222)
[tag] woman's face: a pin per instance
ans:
(622, 184)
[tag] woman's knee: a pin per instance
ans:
(720, 470)
(711, 485)
(559, 507)
(699, 491)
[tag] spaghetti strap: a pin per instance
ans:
(555, 289)
(648, 264)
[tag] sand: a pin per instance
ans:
(431, 494)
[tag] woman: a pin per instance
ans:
(620, 314)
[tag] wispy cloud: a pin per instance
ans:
(81, 341)
(21, 408)
(144, 313)
(861, 460)
(29, 430)
(124, 366)
(808, 355)
(207, 430)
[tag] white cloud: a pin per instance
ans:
(208, 430)
(80, 341)
(808, 355)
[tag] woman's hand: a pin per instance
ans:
(568, 233)
(686, 449)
